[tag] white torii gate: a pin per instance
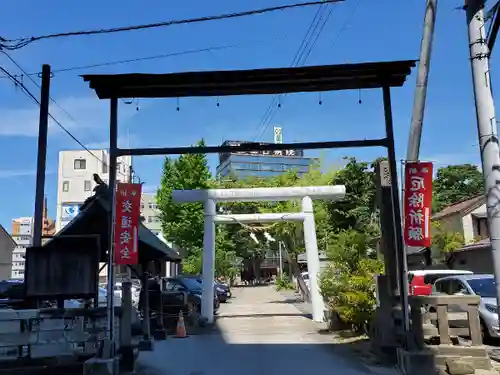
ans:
(211, 196)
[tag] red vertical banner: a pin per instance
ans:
(127, 218)
(418, 204)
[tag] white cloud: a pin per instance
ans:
(149, 188)
(13, 173)
(123, 141)
(76, 114)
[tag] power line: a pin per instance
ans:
(269, 114)
(27, 92)
(153, 57)
(12, 44)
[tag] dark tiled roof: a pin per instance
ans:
(460, 207)
(484, 243)
(2, 230)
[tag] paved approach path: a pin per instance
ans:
(259, 332)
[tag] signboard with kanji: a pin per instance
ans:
(417, 204)
(127, 219)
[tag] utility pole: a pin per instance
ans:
(42, 156)
(486, 125)
(417, 117)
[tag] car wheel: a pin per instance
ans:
(485, 334)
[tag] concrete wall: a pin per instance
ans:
(453, 223)
(475, 260)
(6, 249)
(472, 226)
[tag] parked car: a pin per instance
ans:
(421, 281)
(12, 295)
(192, 287)
(102, 300)
(223, 291)
(473, 285)
(136, 291)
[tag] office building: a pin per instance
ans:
(261, 163)
(75, 182)
(150, 213)
(22, 234)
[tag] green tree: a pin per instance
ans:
(357, 209)
(455, 183)
(445, 242)
(348, 284)
(183, 223)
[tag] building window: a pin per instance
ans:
(152, 206)
(86, 185)
(65, 186)
(80, 164)
(104, 168)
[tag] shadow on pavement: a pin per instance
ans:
(257, 335)
(211, 353)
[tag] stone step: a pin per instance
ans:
(482, 363)
(457, 350)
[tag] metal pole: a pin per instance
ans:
(486, 125)
(401, 260)
(281, 260)
(42, 156)
(113, 138)
(417, 116)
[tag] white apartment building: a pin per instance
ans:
(22, 234)
(150, 212)
(75, 182)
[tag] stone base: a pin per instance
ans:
(160, 335)
(146, 345)
(100, 366)
(416, 362)
(128, 357)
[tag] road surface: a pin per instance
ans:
(258, 332)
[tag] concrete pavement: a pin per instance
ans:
(258, 331)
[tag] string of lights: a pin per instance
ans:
(13, 44)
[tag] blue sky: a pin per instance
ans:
(358, 30)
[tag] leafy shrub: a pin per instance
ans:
(348, 283)
(284, 283)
